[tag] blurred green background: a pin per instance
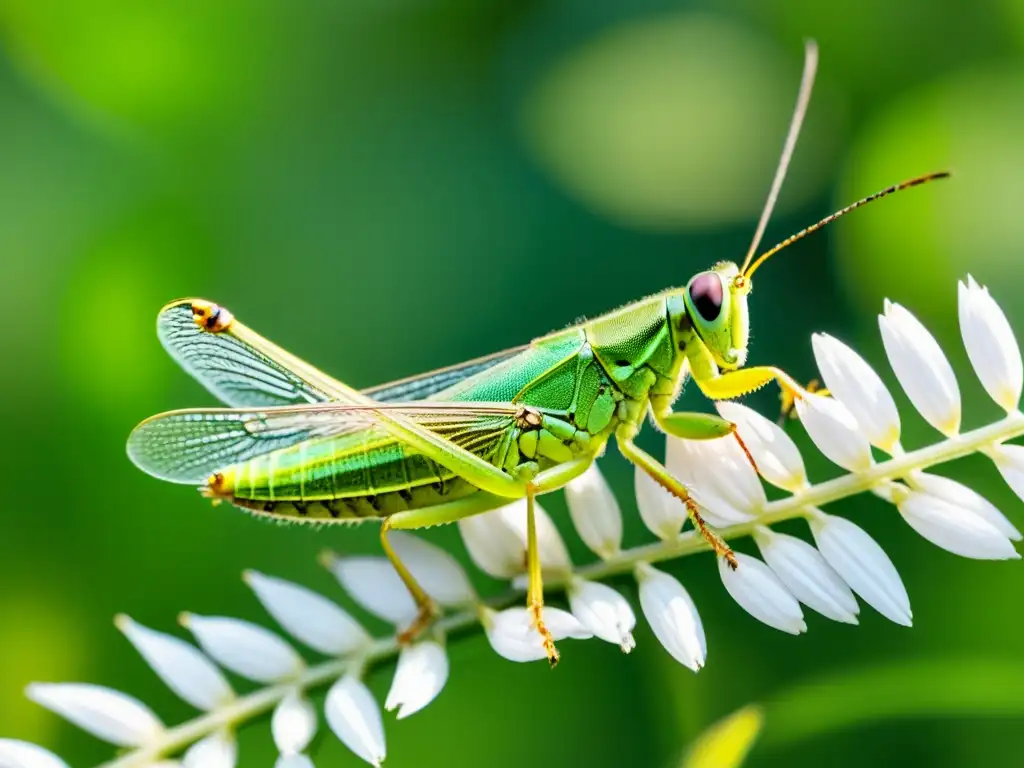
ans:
(387, 187)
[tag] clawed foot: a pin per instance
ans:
(424, 618)
(718, 545)
(545, 636)
(788, 399)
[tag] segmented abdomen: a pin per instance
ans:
(348, 477)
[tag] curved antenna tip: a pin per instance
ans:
(803, 99)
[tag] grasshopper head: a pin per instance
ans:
(716, 301)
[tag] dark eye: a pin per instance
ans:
(706, 295)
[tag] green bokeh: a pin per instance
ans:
(388, 187)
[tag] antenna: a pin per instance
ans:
(796, 122)
(917, 180)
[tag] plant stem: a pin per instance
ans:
(252, 705)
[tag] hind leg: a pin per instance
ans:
(448, 512)
(548, 480)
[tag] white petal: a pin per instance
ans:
(804, 572)
(512, 635)
(673, 616)
(716, 510)
(218, 750)
(437, 572)
(862, 564)
(374, 584)
(420, 675)
(662, 513)
(21, 754)
(1009, 460)
(603, 611)
(293, 761)
(355, 718)
(955, 529)
(293, 724)
(991, 345)
(308, 615)
(760, 593)
(718, 468)
(184, 668)
(854, 383)
(834, 430)
(922, 369)
(497, 541)
(960, 495)
(106, 714)
(554, 557)
(246, 649)
(493, 547)
(775, 453)
(595, 512)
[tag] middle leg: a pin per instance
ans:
(543, 482)
(701, 426)
(657, 471)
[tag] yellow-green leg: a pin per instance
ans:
(543, 482)
(624, 436)
(726, 386)
(448, 512)
(701, 426)
(535, 590)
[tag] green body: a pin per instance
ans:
(586, 380)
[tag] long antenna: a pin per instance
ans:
(795, 123)
(832, 217)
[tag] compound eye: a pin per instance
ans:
(706, 295)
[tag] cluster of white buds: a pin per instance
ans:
(857, 427)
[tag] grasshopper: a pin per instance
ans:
(299, 445)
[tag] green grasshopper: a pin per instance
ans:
(299, 445)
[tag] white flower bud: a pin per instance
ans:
(512, 634)
(775, 453)
(862, 564)
(354, 717)
(921, 367)
(183, 667)
(760, 593)
(854, 383)
(991, 345)
(105, 713)
(673, 616)
(420, 676)
(218, 750)
(807, 575)
(595, 512)
(603, 611)
(835, 431)
(308, 616)
(246, 649)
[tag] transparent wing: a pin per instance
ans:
(245, 370)
(237, 365)
(428, 384)
(187, 446)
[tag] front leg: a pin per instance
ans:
(732, 384)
